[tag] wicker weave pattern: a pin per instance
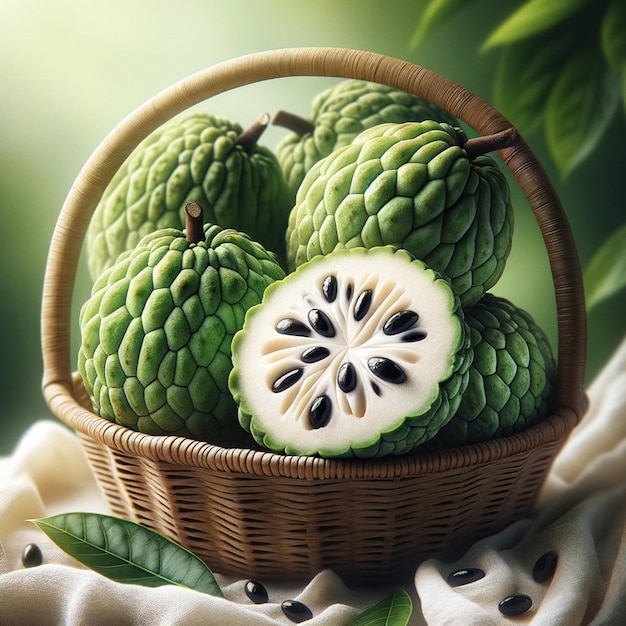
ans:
(310, 525)
(260, 514)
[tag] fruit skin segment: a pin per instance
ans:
(372, 417)
(512, 376)
(412, 186)
(156, 332)
(340, 113)
(193, 157)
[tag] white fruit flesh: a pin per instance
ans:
(374, 405)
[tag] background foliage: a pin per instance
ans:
(72, 70)
(561, 70)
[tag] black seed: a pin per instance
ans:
(414, 335)
(256, 592)
(465, 576)
(289, 326)
(286, 380)
(386, 369)
(319, 415)
(314, 354)
(362, 305)
(376, 388)
(399, 322)
(329, 288)
(31, 555)
(346, 377)
(321, 323)
(349, 291)
(545, 567)
(515, 605)
(296, 611)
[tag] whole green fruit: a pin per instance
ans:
(156, 332)
(359, 353)
(413, 186)
(512, 377)
(339, 114)
(195, 157)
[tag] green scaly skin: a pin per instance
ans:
(412, 186)
(512, 379)
(156, 332)
(340, 113)
(195, 157)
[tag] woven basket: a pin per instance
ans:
(270, 516)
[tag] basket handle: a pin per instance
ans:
(97, 172)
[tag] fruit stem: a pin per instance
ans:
(195, 226)
(293, 122)
(250, 137)
(476, 146)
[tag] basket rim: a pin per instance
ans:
(97, 172)
(185, 452)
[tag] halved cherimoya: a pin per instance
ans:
(357, 353)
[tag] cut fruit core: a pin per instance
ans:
(347, 348)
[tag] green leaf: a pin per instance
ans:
(437, 12)
(127, 552)
(524, 77)
(606, 273)
(613, 33)
(584, 98)
(532, 18)
(394, 610)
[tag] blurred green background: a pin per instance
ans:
(71, 70)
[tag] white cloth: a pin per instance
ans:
(580, 515)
